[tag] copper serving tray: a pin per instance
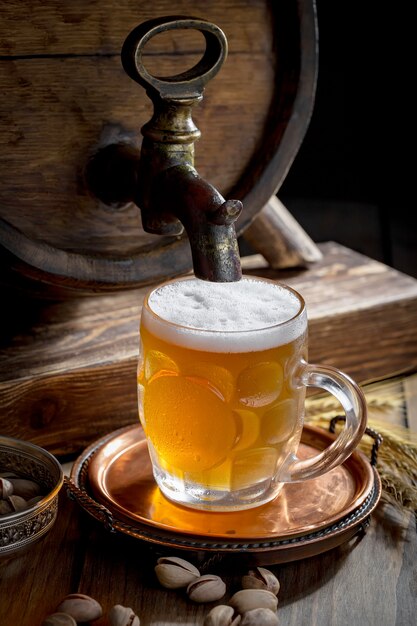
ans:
(113, 481)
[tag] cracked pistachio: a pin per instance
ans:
(207, 588)
(5, 507)
(81, 607)
(261, 578)
(123, 616)
(27, 489)
(34, 500)
(17, 503)
(259, 617)
(222, 615)
(6, 488)
(248, 599)
(59, 619)
(175, 573)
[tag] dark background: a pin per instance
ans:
(350, 181)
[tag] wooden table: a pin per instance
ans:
(368, 581)
(371, 580)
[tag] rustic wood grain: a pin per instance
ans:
(68, 95)
(280, 239)
(365, 581)
(33, 27)
(68, 369)
(369, 580)
(77, 103)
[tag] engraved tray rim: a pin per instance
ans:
(276, 549)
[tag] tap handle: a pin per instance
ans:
(188, 84)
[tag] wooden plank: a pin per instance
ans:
(280, 239)
(31, 27)
(43, 155)
(362, 343)
(68, 369)
(354, 584)
(36, 573)
(368, 581)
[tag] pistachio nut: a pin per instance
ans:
(259, 617)
(122, 616)
(59, 619)
(34, 500)
(17, 503)
(174, 573)
(261, 578)
(6, 488)
(5, 507)
(207, 588)
(247, 599)
(27, 489)
(81, 607)
(222, 615)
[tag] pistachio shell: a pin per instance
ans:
(5, 507)
(6, 488)
(175, 573)
(207, 588)
(59, 619)
(17, 503)
(122, 616)
(261, 578)
(259, 617)
(222, 615)
(8, 475)
(27, 489)
(81, 607)
(34, 500)
(248, 599)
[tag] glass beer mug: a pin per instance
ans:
(222, 380)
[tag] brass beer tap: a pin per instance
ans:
(165, 185)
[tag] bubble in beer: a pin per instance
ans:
(279, 422)
(260, 384)
(194, 444)
(157, 362)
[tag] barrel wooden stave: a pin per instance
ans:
(68, 96)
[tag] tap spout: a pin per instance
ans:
(207, 217)
(169, 192)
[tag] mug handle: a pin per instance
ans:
(350, 396)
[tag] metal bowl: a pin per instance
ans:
(20, 529)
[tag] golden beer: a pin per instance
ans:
(217, 386)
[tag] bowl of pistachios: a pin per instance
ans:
(30, 480)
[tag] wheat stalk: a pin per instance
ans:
(397, 456)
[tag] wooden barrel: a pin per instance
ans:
(68, 95)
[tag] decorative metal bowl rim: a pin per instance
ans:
(20, 528)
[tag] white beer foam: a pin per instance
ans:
(247, 315)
